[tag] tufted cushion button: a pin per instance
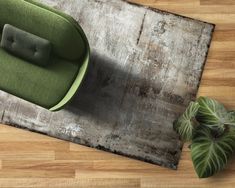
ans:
(11, 39)
(34, 50)
(13, 43)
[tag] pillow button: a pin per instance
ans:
(13, 44)
(11, 39)
(34, 50)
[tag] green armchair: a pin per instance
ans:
(48, 83)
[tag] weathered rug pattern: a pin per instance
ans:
(146, 66)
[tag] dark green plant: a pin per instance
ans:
(210, 128)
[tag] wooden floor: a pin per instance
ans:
(33, 160)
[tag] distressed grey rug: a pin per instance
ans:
(146, 66)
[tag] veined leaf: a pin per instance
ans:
(213, 114)
(185, 125)
(210, 152)
(231, 116)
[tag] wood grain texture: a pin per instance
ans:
(119, 172)
(145, 68)
(41, 164)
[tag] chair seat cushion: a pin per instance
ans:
(45, 87)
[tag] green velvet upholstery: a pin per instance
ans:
(52, 86)
(25, 45)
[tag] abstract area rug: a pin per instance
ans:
(146, 66)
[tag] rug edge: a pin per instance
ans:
(167, 12)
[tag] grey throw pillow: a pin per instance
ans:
(25, 45)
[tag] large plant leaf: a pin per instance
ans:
(231, 116)
(213, 114)
(185, 125)
(210, 152)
